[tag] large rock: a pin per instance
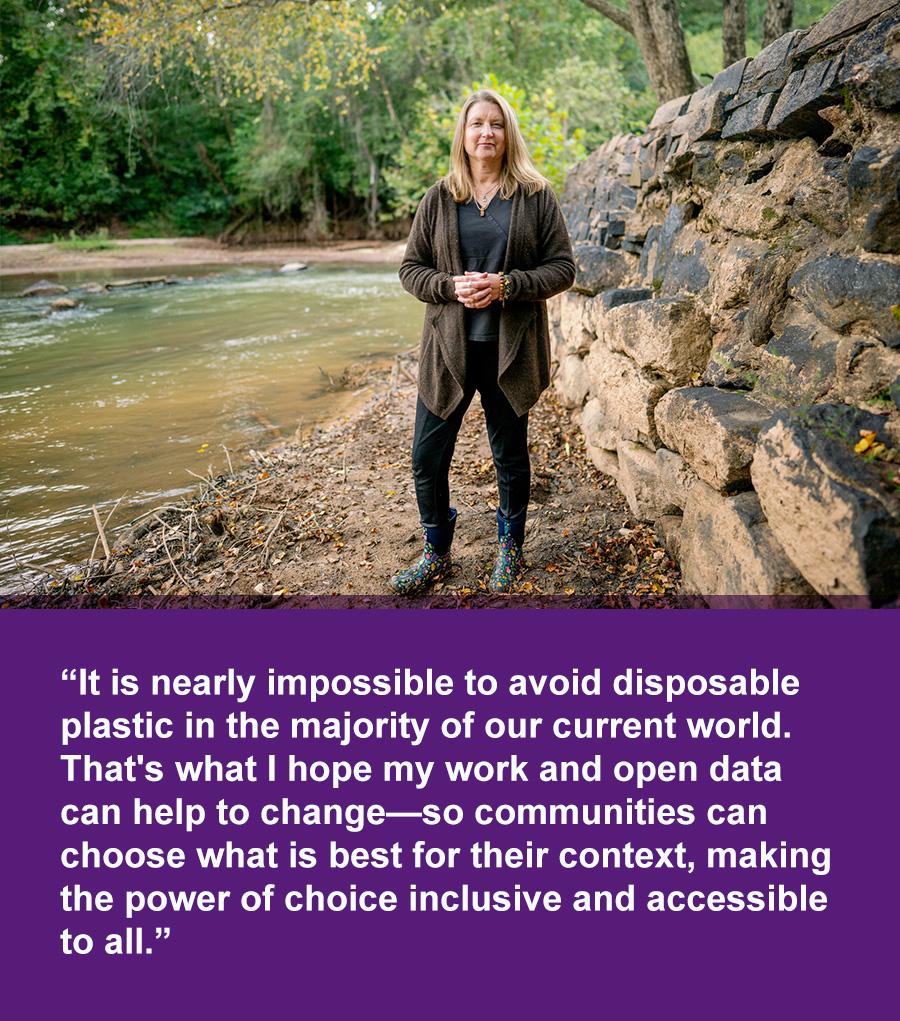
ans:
(676, 476)
(814, 185)
(769, 69)
(829, 508)
(571, 381)
(600, 439)
(669, 338)
(667, 113)
(598, 269)
(707, 117)
(714, 431)
(750, 120)
(44, 289)
(806, 92)
(727, 82)
(640, 482)
(798, 367)
(728, 549)
(569, 310)
(625, 395)
(748, 210)
(841, 21)
(768, 294)
(872, 62)
(734, 272)
(846, 293)
(679, 216)
(873, 186)
(734, 363)
(620, 296)
(687, 272)
(866, 373)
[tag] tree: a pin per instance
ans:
(657, 27)
(734, 31)
(778, 20)
(323, 42)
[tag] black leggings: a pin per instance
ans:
(435, 439)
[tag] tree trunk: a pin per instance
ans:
(778, 20)
(657, 27)
(734, 31)
(659, 35)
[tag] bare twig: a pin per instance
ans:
(206, 481)
(45, 570)
(105, 523)
(180, 508)
(169, 555)
(251, 485)
(272, 531)
(100, 530)
(406, 372)
(228, 456)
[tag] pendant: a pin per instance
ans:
(482, 208)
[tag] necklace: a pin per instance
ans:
(483, 204)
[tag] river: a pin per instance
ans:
(128, 394)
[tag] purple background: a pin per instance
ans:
(838, 790)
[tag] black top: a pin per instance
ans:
(483, 241)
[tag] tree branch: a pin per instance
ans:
(609, 10)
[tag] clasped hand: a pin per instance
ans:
(477, 290)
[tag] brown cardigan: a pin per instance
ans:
(538, 263)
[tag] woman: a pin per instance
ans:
(488, 246)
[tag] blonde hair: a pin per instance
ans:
(518, 167)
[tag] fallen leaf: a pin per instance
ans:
(868, 438)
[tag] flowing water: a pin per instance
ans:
(135, 389)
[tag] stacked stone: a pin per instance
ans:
(734, 326)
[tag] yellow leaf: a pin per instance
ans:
(868, 438)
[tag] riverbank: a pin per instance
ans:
(325, 519)
(160, 253)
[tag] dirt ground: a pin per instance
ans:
(156, 253)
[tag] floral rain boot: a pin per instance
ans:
(510, 559)
(432, 565)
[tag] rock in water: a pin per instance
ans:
(44, 289)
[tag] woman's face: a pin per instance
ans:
(485, 137)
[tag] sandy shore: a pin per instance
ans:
(153, 253)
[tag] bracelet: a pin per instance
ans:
(504, 288)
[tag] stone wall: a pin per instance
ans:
(734, 328)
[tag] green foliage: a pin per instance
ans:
(61, 157)
(189, 115)
(98, 241)
(597, 100)
(424, 156)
